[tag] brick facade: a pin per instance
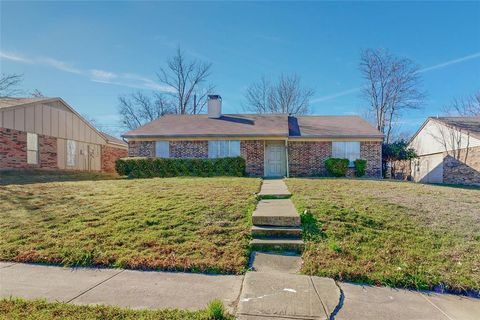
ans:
(110, 155)
(253, 153)
(372, 152)
(13, 150)
(141, 149)
(462, 169)
(189, 149)
(306, 158)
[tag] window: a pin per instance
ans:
(162, 149)
(71, 152)
(32, 148)
(223, 148)
(346, 150)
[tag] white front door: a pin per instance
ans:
(275, 165)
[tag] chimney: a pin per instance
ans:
(214, 106)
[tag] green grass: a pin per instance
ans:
(19, 309)
(184, 224)
(390, 233)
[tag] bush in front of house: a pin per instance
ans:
(360, 166)
(337, 167)
(172, 167)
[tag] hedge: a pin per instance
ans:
(337, 167)
(172, 167)
(360, 166)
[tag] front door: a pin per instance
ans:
(275, 164)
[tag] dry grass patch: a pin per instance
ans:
(187, 224)
(391, 233)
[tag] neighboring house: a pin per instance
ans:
(273, 145)
(448, 150)
(46, 133)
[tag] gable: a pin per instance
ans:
(434, 137)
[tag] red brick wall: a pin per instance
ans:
(253, 153)
(306, 158)
(141, 149)
(372, 152)
(109, 155)
(462, 169)
(13, 150)
(189, 149)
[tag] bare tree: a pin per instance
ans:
(452, 139)
(286, 95)
(37, 94)
(465, 106)
(9, 84)
(137, 108)
(259, 96)
(187, 79)
(392, 86)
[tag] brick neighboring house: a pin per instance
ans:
(448, 150)
(46, 133)
(273, 145)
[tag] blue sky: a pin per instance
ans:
(89, 53)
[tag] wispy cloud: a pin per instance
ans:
(427, 69)
(96, 75)
(451, 62)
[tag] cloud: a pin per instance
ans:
(130, 80)
(14, 57)
(336, 95)
(427, 69)
(451, 62)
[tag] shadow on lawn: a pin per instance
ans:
(42, 176)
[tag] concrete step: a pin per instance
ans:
(273, 231)
(274, 189)
(279, 212)
(277, 244)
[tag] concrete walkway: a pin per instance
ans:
(264, 294)
(125, 288)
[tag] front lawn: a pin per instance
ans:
(19, 309)
(390, 233)
(185, 224)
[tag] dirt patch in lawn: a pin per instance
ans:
(391, 233)
(186, 224)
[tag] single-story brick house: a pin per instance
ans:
(448, 150)
(273, 145)
(46, 133)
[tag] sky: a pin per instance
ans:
(89, 53)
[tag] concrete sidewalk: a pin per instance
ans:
(264, 294)
(124, 288)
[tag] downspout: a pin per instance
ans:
(286, 156)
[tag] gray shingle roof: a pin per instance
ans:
(465, 124)
(273, 125)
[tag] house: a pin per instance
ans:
(273, 145)
(448, 150)
(46, 133)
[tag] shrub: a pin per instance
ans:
(216, 310)
(337, 167)
(170, 167)
(360, 166)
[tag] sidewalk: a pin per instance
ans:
(159, 290)
(273, 290)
